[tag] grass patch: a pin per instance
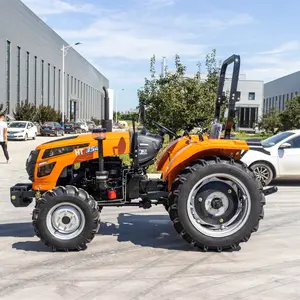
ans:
(245, 136)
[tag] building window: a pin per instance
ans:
(292, 95)
(18, 75)
(296, 93)
(48, 84)
(54, 69)
(42, 82)
(280, 104)
(71, 84)
(27, 77)
(78, 91)
(59, 81)
(35, 80)
(251, 96)
(283, 101)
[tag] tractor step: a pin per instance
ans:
(270, 190)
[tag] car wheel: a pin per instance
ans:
(263, 172)
(34, 137)
(26, 137)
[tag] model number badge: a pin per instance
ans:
(83, 151)
(91, 149)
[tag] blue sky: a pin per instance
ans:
(120, 36)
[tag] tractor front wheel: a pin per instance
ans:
(215, 204)
(66, 218)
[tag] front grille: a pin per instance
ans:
(30, 164)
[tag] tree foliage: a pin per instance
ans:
(290, 117)
(175, 100)
(2, 110)
(25, 111)
(285, 120)
(29, 112)
(271, 122)
(47, 113)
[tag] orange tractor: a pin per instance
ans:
(214, 200)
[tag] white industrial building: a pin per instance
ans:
(250, 106)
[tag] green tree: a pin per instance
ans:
(25, 111)
(2, 110)
(175, 100)
(46, 114)
(290, 117)
(271, 121)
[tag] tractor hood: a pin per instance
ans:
(115, 143)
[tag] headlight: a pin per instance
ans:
(46, 169)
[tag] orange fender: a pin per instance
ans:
(196, 149)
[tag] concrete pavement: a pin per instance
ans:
(138, 255)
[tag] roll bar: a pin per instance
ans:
(234, 95)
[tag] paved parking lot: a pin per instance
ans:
(138, 255)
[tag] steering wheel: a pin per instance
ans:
(169, 131)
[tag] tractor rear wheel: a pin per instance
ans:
(66, 218)
(217, 203)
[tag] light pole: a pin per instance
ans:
(117, 91)
(64, 53)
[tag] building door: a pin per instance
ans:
(247, 117)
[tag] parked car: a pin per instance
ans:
(21, 130)
(91, 125)
(83, 126)
(282, 159)
(52, 128)
(72, 127)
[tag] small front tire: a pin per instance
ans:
(66, 218)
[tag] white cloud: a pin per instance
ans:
(138, 33)
(136, 36)
(283, 49)
(274, 63)
(53, 7)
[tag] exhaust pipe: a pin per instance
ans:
(106, 123)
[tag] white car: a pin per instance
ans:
(83, 126)
(21, 130)
(279, 157)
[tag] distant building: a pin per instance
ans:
(250, 107)
(31, 57)
(279, 91)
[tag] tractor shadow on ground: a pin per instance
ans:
(285, 182)
(154, 231)
(22, 230)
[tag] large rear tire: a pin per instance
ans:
(66, 218)
(216, 204)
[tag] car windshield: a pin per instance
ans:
(275, 139)
(49, 124)
(17, 125)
